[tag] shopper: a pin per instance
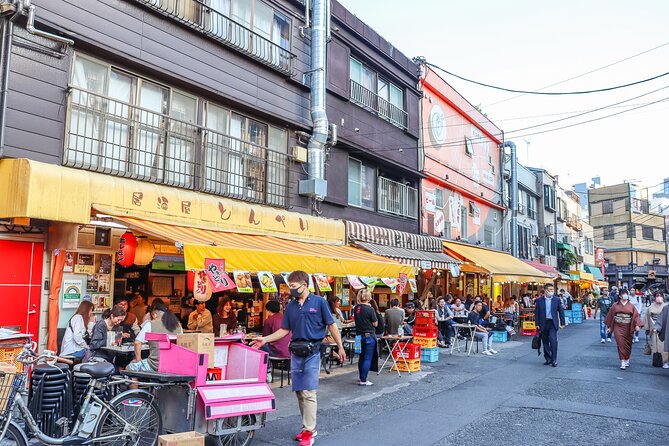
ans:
(111, 321)
(306, 316)
(652, 316)
(224, 315)
(549, 316)
(366, 322)
(278, 349)
(604, 303)
(661, 327)
(140, 307)
(444, 323)
(162, 320)
(481, 333)
(78, 332)
(394, 317)
(200, 320)
(624, 321)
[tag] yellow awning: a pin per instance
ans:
(49, 192)
(263, 253)
(501, 265)
(587, 276)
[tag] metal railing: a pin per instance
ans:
(117, 138)
(202, 17)
(375, 103)
(640, 206)
(612, 268)
(397, 198)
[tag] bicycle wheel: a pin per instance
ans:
(138, 410)
(14, 437)
(238, 438)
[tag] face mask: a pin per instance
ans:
(295, 293)
(624, 297)
(550, 294)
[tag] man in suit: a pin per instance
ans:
(549, 316)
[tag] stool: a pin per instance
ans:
(349, 345)
(283, 364)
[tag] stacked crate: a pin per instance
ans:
(500, 336)
(425, 334)
(576, 313)
(529, 328)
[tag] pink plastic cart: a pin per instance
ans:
(229, 407)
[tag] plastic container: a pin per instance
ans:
(525, 332)
(425, 332)
(410, 366)
(500, 336)
(425, 342)
(429, 355)
(407, 350)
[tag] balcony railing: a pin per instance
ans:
(612, 268)
(198, 15)
(117, 138)
(376, 104)
(640, 206)
(397, 198)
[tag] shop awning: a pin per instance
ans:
(596, 272)
(581, 275)
(419, 259)
(549, 270)
(263, 253)
(504, 267)
(571, 277)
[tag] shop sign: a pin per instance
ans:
(201, 286)
(599, 257)
(439, 222)
(412, 284)
(267, 284)
(355, 282)
(243, 281)
(219, 279)
(72, 292)
(455, 270)
(322, 282)
(402, 283)
(85, 264)
(425, 264)
(391, 283)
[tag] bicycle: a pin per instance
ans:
(130, 418)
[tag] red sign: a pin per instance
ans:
(403, 284)
(220, 280)
(599, 257)
(127, 248)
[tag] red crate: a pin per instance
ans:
(214, 374)
(426, 321)
(528, 332)
(427, 313)
(425, 331)
(411, 352)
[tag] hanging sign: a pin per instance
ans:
(412, 284)
(72, 292)
(220, 281)
(355, 282)
(370, 282)
(284, 276)
(402, 285)
(243, 281)
(127, 246)
(267, 284)
(390, 283)
(322, 282)
(201, 286)
(312, 288)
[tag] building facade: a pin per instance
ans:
(547, 217)
(528, 211)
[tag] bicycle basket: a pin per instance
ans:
(9, 383)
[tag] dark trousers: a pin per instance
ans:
(368, 344)
(549, 341)
(446, 331)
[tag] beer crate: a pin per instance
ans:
(425, 342)
(410, 366)
(429, 354)
(410, 351)
(425, 332)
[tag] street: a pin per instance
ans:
(511, 398)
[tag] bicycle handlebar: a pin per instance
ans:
(29, 357)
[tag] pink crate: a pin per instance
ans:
(179, 360)
(232, 400)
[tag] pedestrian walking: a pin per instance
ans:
(652, 337)
(306, 317)
(604, 303)
(549, 316)
(662, 329)
(624, 321)
(366, 322)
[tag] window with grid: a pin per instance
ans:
(647, 232)
(607, 207)
(361, 184)
(609, 233)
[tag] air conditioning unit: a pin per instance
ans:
(299, 154)
(549, 230)
(540, 250)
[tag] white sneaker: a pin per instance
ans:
(627, 363)
(494, 352)
(486, 352)
(602, 341)
(608, 339)
(665, 365)
(622, 365)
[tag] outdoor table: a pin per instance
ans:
(124, 349)
(472, 330)
(391, 342)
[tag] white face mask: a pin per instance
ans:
(550, 293)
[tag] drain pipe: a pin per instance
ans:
(30, 27)
(514, 197)
(316, 186)
(5, 61)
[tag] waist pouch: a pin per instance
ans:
(304, 348)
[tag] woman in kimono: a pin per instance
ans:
(662, 329)
(624, 321)
(652, 316)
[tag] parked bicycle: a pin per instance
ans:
(130, 418)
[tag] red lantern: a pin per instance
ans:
(190, 280)
(126, 249)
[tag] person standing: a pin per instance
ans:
(651, 321)
(549, 315)
(662, 328)
(624, 321)
(306, 316)
(366, 322)
(444, 323)
(604, 303)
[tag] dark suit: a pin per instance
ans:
(548, 327)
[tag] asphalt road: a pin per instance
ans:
(510, 399)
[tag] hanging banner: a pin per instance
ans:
(322, 282)
(220, 280)
(355, 282)
(72, 292)
(243, 281)
(311, 284)
(267, 284)
(370, 282)
(201, 286)
(284, 276)
(391, 283)
(402, 286)
(412, 284)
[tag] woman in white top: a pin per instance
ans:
(78, 331)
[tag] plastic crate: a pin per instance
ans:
(410, 366)
(411, 351)
(431, 314)
(532, 332)
(9, 351)
(567, 316)
(426, 321)
(577, 307)
(426, 342)
(529, 325)
(429, 355)
(576, 318)
(425, 332)
(500, 336)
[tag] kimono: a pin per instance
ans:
(656, 344)
(662, 326)
(622, 320)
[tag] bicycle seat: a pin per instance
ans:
(98, 369)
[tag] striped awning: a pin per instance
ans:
(419, 259)
(360, 232)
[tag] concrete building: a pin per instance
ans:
(547, 217)
(529, 197)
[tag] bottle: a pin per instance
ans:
(400, 331)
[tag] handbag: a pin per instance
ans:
(357, 346)
(304, 348)
(657, 359)
(646, 348)
(536, 343)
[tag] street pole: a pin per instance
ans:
(514, 197)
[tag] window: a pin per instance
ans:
(361, 184)
(647, 233)
(464, 215)
(522, 199)
(607, 207)
(363, 75)
(609, 233)
(531, 206)
(439, 198)
(549, 197)
(550, 246)
(397, 198)
(631, 230)
(377, 94)
(489, 236)
(524, 242)
(469, 147)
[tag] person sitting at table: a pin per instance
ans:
(140, 307)
(224, 316)
(366, 322)
(498, 305)
(458, 308)
(200, 320)
(481, 333)
(394, 317)
(485, 311)
(334, 303)
(149, 313)
(111, 321)
(469, 302)
(381, 328)
(78, 332)
(444, 323)
(129, 325)
(409, 318)
(278, 348)
(162, 321)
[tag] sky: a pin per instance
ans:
(530, 45)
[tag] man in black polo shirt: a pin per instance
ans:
(306, 317)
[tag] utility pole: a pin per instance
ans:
(514, 197)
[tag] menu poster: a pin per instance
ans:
(355, 282)
(402, 284)
(72, 292)
(103, 283)
(105, 263)
(412, 284)
(390, 283)
(345, 297)
(267, 284)
(85, 264)
(69, 262)
(322, 282)
(243, 281)
(383, 300)
(92, 283)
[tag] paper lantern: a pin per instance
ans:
(127, 249)
(201, 286)
(190, 279)
(144, 252)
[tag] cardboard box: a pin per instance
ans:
(198, 342)
(182, 439)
